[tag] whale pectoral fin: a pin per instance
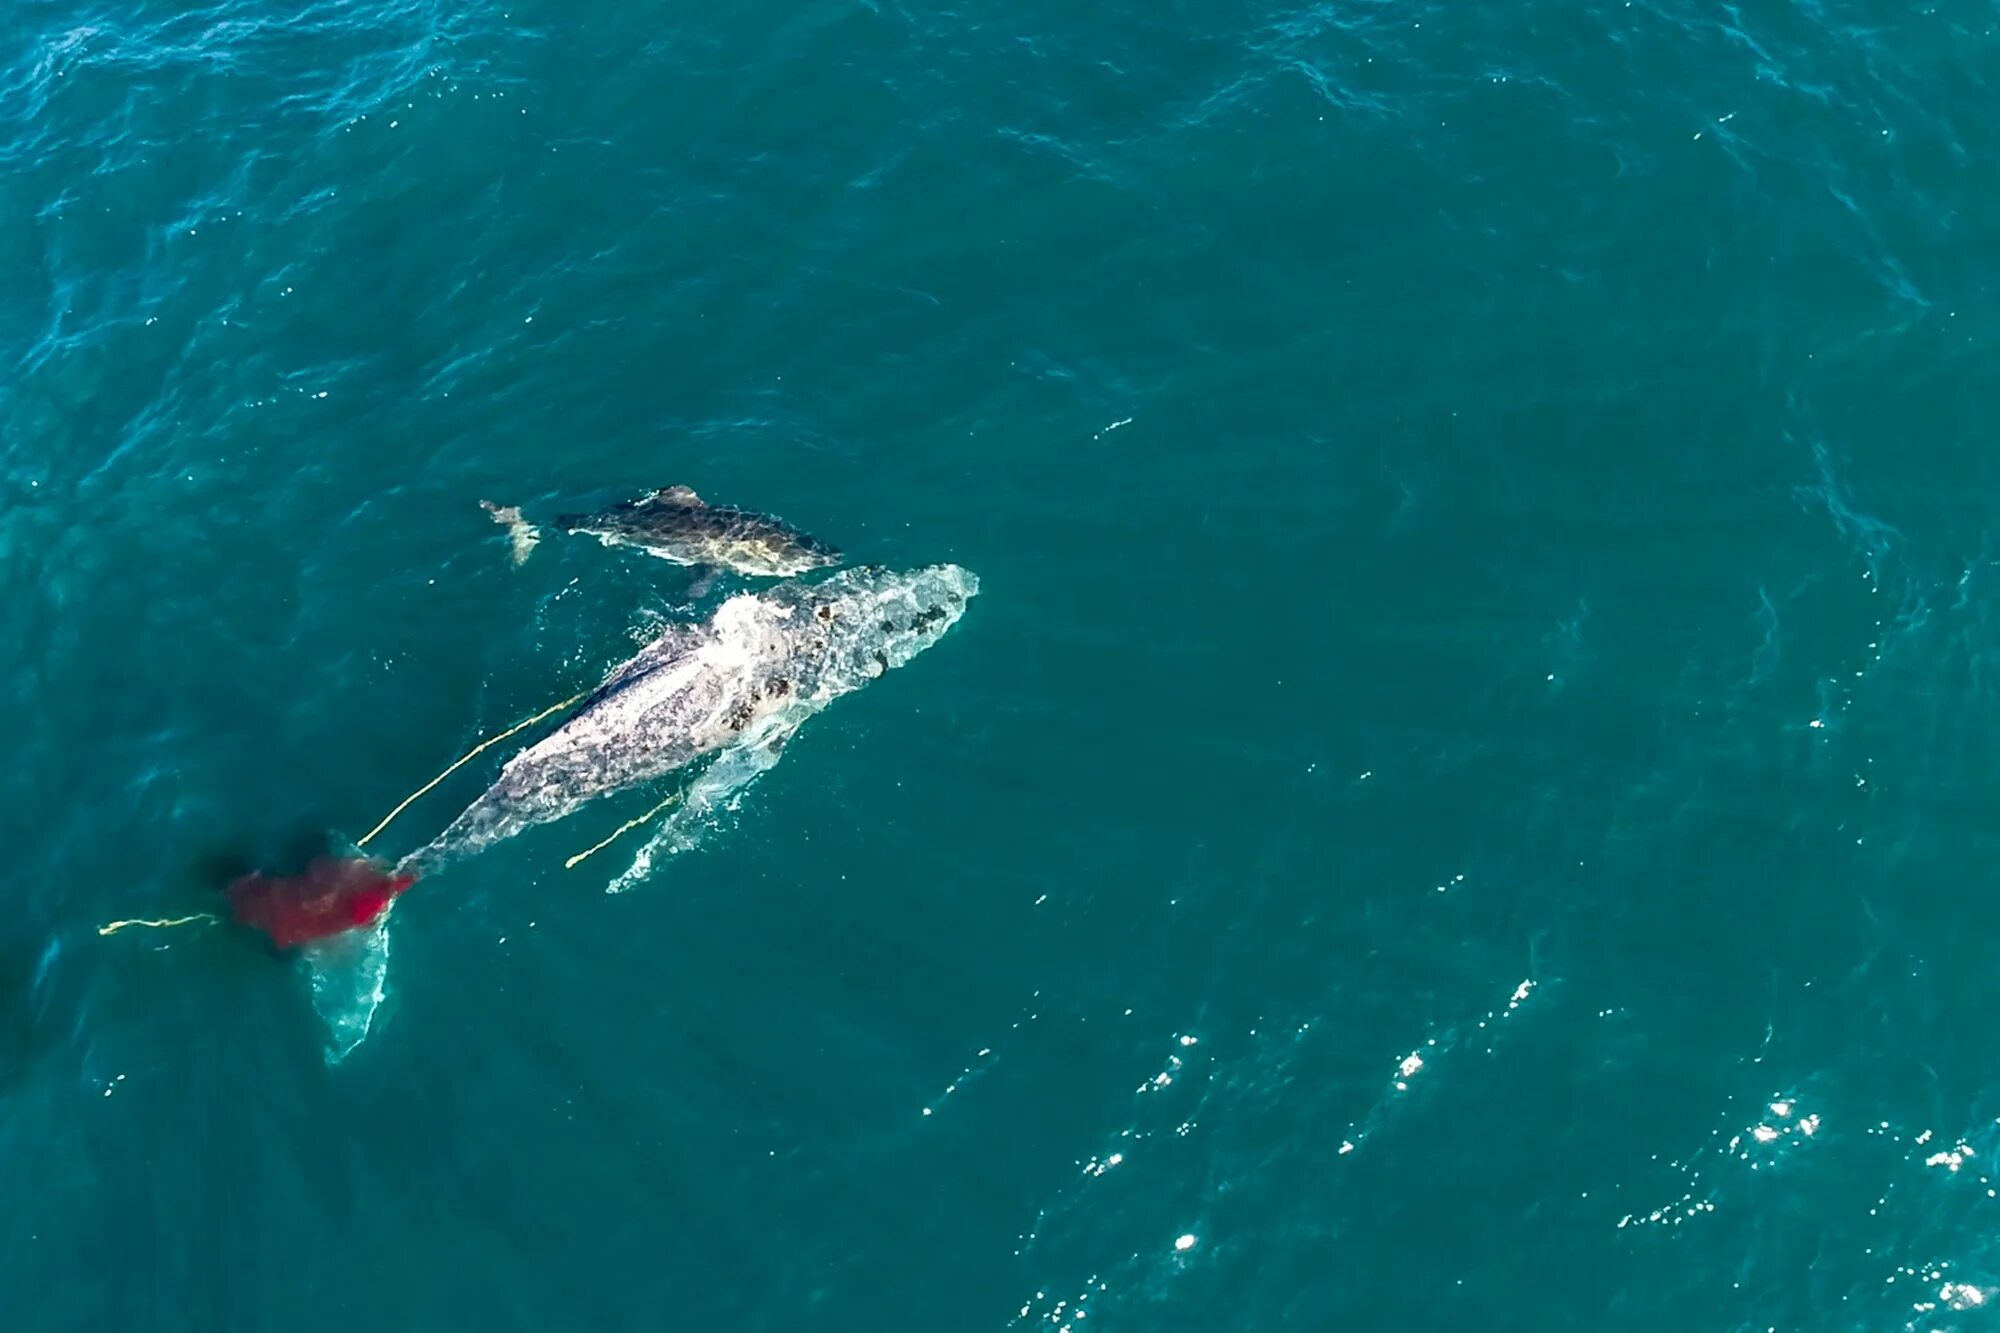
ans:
(702, 582)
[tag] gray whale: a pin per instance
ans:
(763, 662)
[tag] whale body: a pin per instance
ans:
(761, 664)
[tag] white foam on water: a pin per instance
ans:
(349, 974)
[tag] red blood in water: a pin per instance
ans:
(332, 895)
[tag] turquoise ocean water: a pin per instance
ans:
(1466, 800)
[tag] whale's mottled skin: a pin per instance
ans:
(678, 525)
(789, 649)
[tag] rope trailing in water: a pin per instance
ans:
(117, 926)
(626, 827)
(467, 758)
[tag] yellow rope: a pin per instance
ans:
(626, 827)
(484, 745)
(117, 926)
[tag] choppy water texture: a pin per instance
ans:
(1467, 799)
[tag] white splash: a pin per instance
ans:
(1951, 1159)
(1786, 1131)
(1096, 1167)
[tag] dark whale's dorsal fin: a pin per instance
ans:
(681, 497)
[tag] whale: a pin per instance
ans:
(760, 665)
(677, 525)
